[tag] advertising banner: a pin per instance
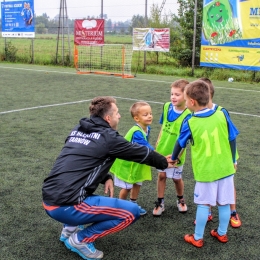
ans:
(231, 34)
(151, 39)
(18, 19)
(89, 32)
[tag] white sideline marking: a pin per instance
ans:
(54, 105)
(239, 89)
(97, 75)
(242, 114)
(87, 100)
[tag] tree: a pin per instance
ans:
(138, 21)
(42, 23)
(120, 27)
(183, 51)
(43, 19)
(157, 20)
(40, 28)
(108, 25)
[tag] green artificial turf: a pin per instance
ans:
(38, 108)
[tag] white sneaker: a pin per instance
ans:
(181, 205)
(159, 209)
(85, 250)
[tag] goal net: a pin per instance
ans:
(109, 59)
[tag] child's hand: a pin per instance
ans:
(171, 163)
(235, 166)
(168, 158)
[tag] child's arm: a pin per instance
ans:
(233, 149)
(139, 139)
(233, 133)
(232, 130)
(234, 152)
(182, 141)
(159, 136)
(227, 115)
(176, 151)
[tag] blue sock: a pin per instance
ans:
(201, 221)
(224, 216)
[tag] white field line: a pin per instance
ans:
(87, 100)
(137, 79)
(54, 105)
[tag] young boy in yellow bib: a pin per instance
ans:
(235, 221)
(212, 137)
(173, 115)
(129, 175)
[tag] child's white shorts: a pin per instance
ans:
(124, 185)
(173, 173)
(220, 191)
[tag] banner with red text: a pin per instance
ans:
(151, 39)
(89, 32)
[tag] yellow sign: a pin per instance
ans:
(231, 34)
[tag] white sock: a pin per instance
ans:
(71, 228)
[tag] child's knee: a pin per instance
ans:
(177, 181)
(162, 176)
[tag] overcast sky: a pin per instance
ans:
(116, 10)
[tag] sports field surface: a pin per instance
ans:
(38, 108)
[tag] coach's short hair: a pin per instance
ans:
(101, 106)
(199, 91)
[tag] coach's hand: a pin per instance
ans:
(109, 188)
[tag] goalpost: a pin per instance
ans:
(108, 59)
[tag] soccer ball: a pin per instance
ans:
(230, 79)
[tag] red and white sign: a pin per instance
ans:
(151, 39)
(89, 32)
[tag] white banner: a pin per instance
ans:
(151, 39)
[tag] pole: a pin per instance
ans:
(58, 38)
(32, 59)
(67, 25)
(101, 9)
(194, 38)
(62, 34)
(5, 40)
(145, 24)
(123, 61)
(63, 24)
(101, 47)
(254, 76)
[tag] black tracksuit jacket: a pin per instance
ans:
(85, 160)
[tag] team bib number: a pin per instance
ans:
(207, 140)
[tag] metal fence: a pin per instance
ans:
(44, 50)
(47, 49)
